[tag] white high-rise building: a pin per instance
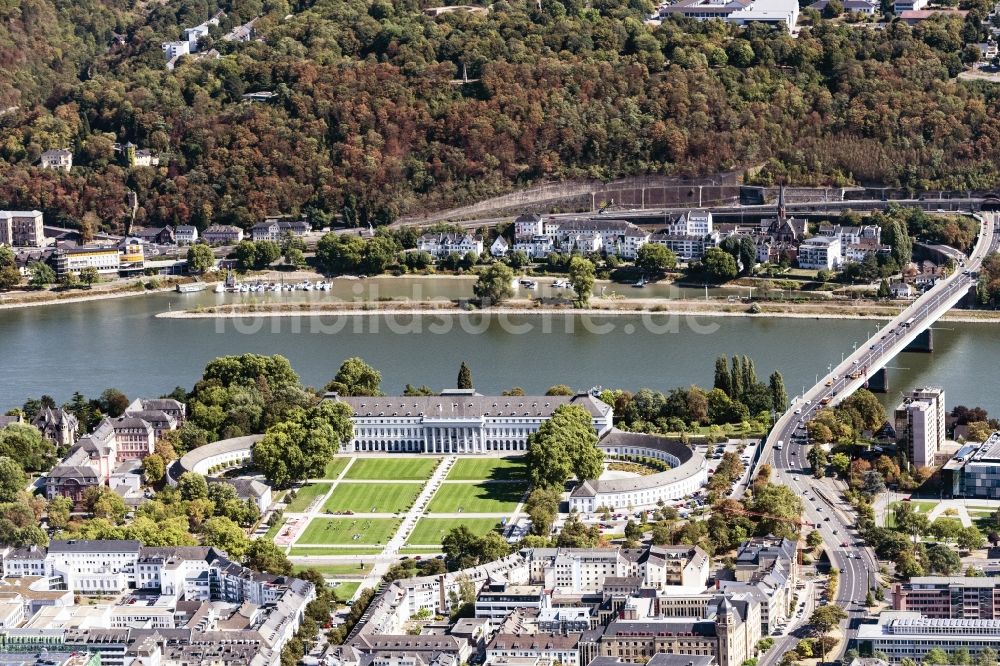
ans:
(920, 422)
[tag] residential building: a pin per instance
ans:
(242, 33)
(556, 648)
(909, 635)
(192, 35)
(440, 246)
(498, 599)
(858, 252)
(194, 606)
(259, 96)
(113, 446)
(458, 421)
(583, 243)
(536, 247)
(10, 419)
(57, 425)
(693, 223)
(689, 235)
(659, 659)
(22, 228)
(59, 158)
(957, 597)
(157, 235)
(758, 556)
(988, 51)
(500, 247)
(174, 50)
(766, 569)
(275, 229)
(590, 570)
(222, 234)
(920, 424)
(173, 408)
(407, 650)
(850, 235)
(528, 225)
(186, 234)
(820, 253)
(686, 247)
(565, 620)
(900, 6)
(566, 235)
(604, 606)
(783, 13)
(902, 290)
(145, 157)
(773, 251)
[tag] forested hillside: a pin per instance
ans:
(368, 122)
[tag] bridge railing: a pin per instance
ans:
(922, 320)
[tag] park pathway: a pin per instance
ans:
(398, 540)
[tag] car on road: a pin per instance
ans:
(827, 519)
(798, 411)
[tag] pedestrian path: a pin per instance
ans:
(950, 509)
(398, 540)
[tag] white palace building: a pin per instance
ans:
(463, 422)
(458, 421)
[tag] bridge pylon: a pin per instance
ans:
(879, 381)
(923, 343)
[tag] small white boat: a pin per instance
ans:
(219, 288)
(641, 283)
(561, 284)
(191, 287)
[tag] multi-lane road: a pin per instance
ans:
(823, 507)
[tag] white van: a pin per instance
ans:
(780, 445)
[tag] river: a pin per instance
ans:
(89, 346)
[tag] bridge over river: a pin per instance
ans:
(856, 562)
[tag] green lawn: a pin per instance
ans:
(919, 506)
(360, 569)
(494, 469)
(272, 530)
(346, 590)
(392, 469)
(335, 467)
(307, 495)
(361, 531)
(430, 530)
(373, 497)
(333, 550)
(476, 498)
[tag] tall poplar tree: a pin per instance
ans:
(723, 380)
(464, 377)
